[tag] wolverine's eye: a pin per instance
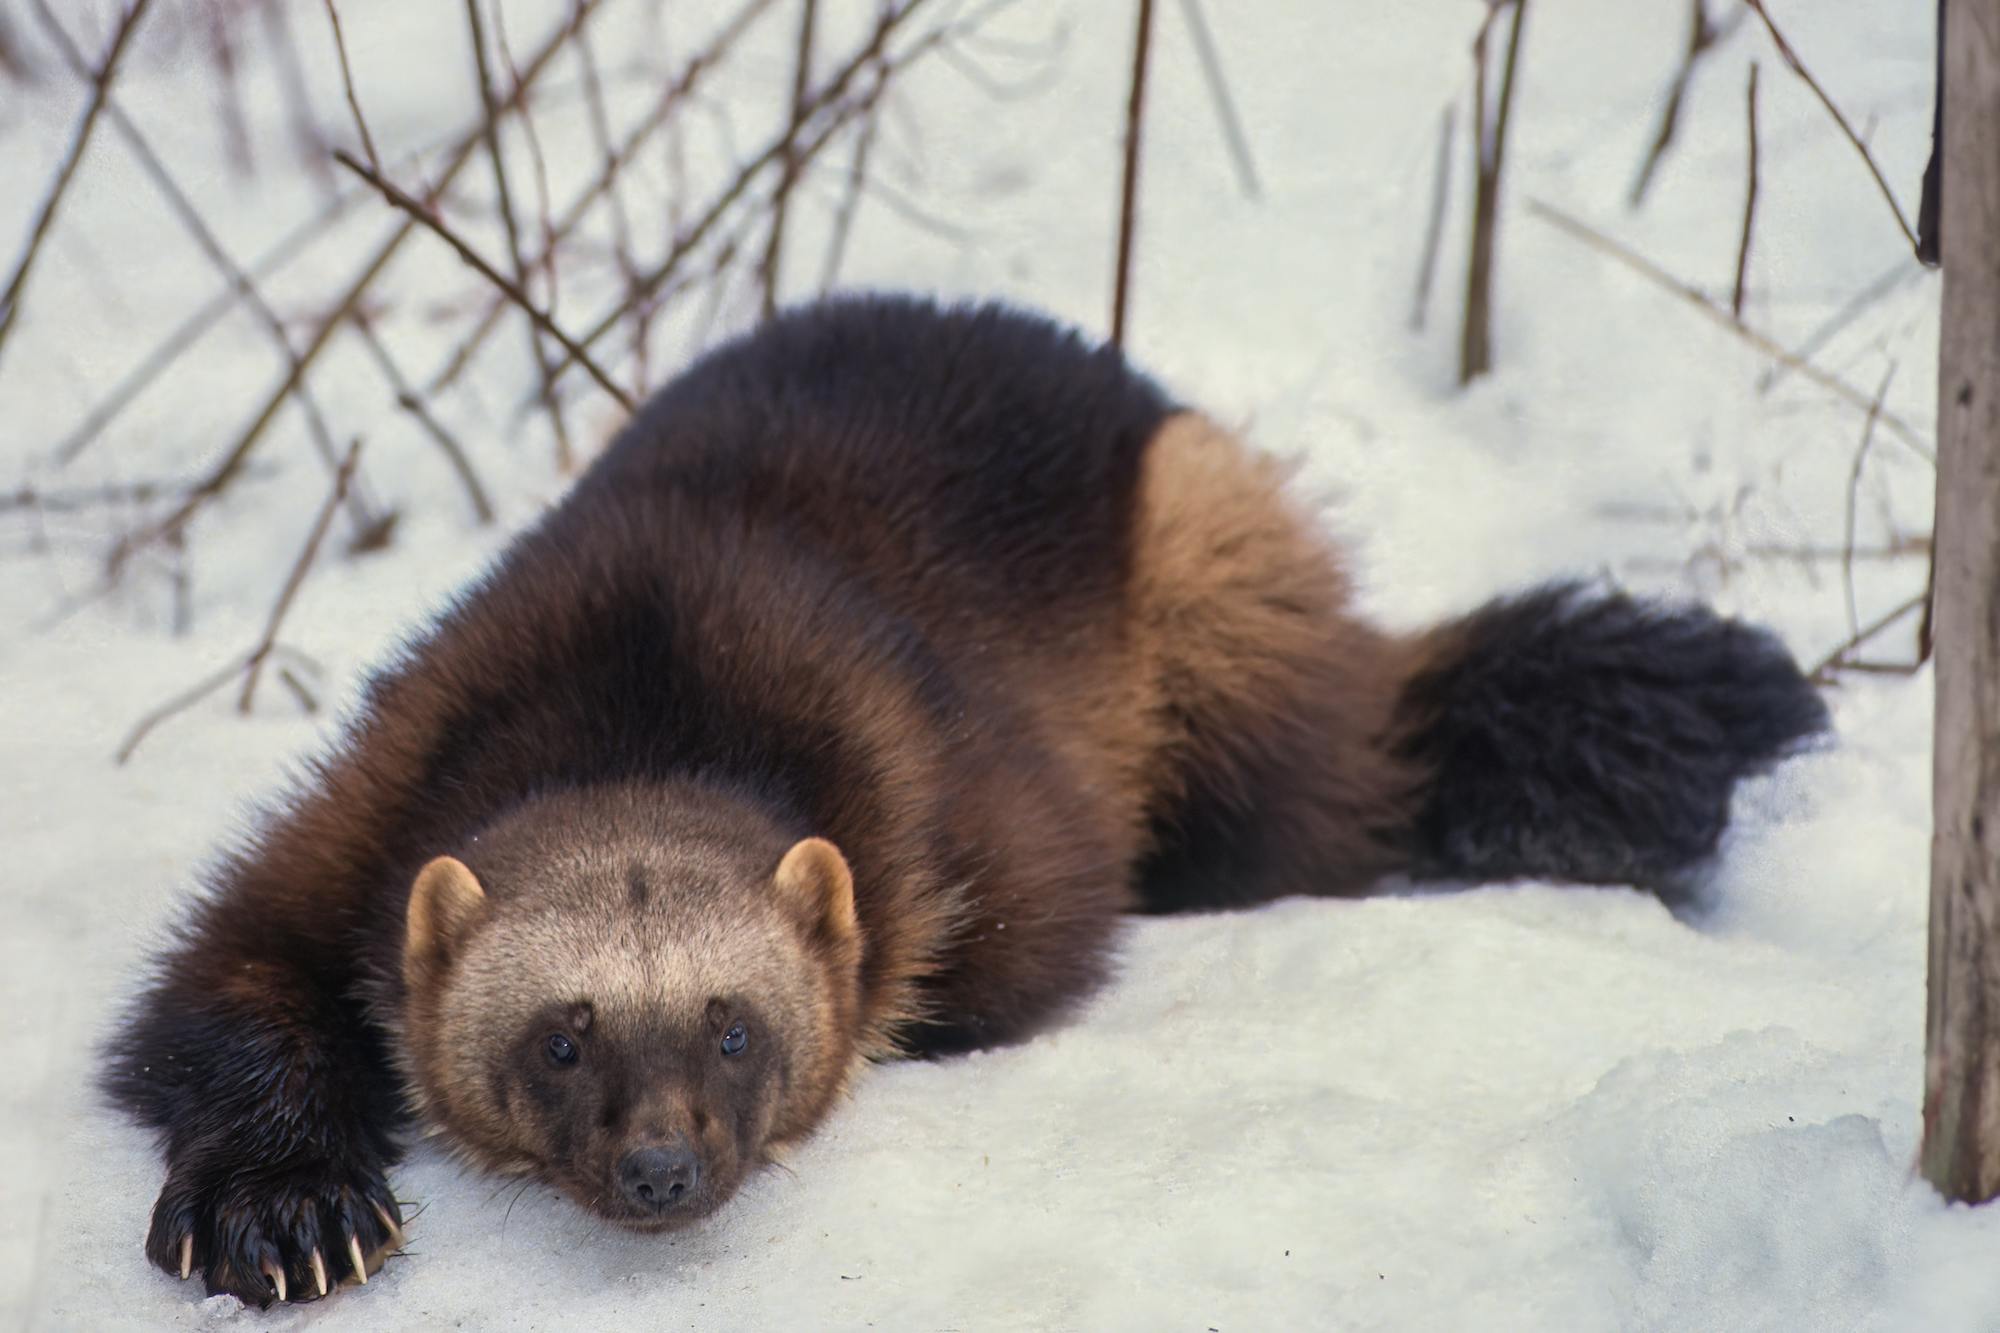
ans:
(562, 1050)
(734, 1040)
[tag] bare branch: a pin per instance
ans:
(1218, 93)
(70, 499)
(1854, 497)
(475, 261)
(253, 666)
(297, 87)
(490, 129)
(1749, 202)
(691, 237)
(788, 177)
(100, 92)
(857, 179)
(1128, 188)
(1703, 36)
(347, 82)
(179, 703)
(670, 100)
(197, 227)
(1434, 230)
(1798, 67)
(1896, 275)
(408, 399)
(1475, 353)
(233, 459)
(1840, 659)
(1693, 296)
(191, 330)
(621, 223)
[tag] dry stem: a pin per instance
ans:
(1798, 67)
(345, 306)
(1749, 202)
(1434, 229)
(251, 665)
(100, 93)
(781, 198)
(1219, 95)
(1693, 296)
(1475, 352)
(436, 225)
(347, 82)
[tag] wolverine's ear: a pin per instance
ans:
(443, 903)
(816, 886)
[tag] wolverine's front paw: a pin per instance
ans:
(287, 1231)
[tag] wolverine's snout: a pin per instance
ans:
(661, 1177)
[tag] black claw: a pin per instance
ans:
(255, 1232)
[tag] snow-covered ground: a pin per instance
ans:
(1519, 1107)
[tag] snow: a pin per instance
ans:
(1511, 1107)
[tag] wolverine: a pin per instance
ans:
(887, 659)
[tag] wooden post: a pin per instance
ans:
(1961, 1151)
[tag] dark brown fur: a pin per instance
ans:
(953, 590)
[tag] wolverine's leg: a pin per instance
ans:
(274, 1099)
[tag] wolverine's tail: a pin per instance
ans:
(1591, 737)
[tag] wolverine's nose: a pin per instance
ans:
(659, 1178)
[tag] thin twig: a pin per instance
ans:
(1719, 313)
(1837, 660)
(1896, 275)
(788, 171)
(184, 208)
(1475, 353)
(1703, 35)
(307, 700)
(297, 87)
(253, 666)
(1749, 202)
(71, 499)
(670, 100)
(408, 399)
(1798, 67)
(179, 703)
(478, 264)
(347, 82)
(100, 92)
(857, 179)
(621, 224)
(233, 459)
(229, 109)
(1904, 548)
(1128, 185)
(503, 191)
(13, 65)
(191, 330)
(1854, 498)
(1219, 95)
(691, 237)
(537, 159)
(1434, 229)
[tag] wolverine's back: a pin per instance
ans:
(957, 458)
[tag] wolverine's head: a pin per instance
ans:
(632, 993)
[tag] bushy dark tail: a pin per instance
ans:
(1591, 737)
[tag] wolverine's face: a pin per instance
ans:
(639, 1024)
